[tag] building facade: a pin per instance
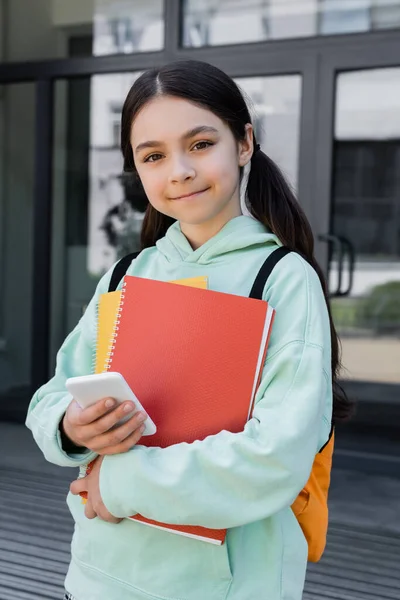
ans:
(323, 82)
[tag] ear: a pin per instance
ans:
(246, 146)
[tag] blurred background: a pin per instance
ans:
(323, 81)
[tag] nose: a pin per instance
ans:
(181, 170)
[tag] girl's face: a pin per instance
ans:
(188, 161)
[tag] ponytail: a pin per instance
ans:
(155, 226)
(273, 203)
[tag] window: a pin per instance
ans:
(366, 210)
(124, 27)
(218, 22)
(275, 103)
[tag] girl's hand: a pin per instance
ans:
(94, 506)
(91, 427)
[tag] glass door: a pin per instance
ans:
(356, 219)
(97, 211)
(17, 167)
(365, 210)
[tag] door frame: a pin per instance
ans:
(331, 64)
(384, 54)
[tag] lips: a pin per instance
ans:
(190, 195)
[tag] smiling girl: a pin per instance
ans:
(218, 206)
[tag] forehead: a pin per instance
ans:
(168, 117)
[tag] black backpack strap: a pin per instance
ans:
(120, 269)
(329, 438)
(259, 284)
(258, 289)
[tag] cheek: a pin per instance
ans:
(153, 183)
(223, 171)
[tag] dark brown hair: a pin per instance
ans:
(270, 197)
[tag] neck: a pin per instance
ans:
(199, 234)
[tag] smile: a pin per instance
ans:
(190, 196)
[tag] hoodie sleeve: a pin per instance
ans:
(229, 479)
(50, 402)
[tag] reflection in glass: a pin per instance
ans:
(366, 210)
(276, 103)
(345, 17)
(217, 22)
(123, 27)
(98, 211)
(116, 201)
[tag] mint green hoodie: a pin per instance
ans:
(245, 482)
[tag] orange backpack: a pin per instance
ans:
(311, 505)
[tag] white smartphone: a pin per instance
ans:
(88, 389)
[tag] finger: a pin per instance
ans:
(107, 422)
(84, 416)
(117, 435)
(90, 431)
(78, 486)
(131, 421)
(104, 515)
(90, 513)
(128, 443)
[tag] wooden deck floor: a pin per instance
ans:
(361, 561)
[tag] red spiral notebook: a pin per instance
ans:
(194, 359)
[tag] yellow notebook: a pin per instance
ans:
(107, 313)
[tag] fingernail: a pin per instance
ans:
(129, 407)
(142, 417)
(142, 428)
(109, 403)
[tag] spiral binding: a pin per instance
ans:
(111, 347)
(96, 343)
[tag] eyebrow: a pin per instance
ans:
(189, 134)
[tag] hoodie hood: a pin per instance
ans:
(240, 233)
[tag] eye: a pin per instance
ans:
(202, 145)
(153, 158)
